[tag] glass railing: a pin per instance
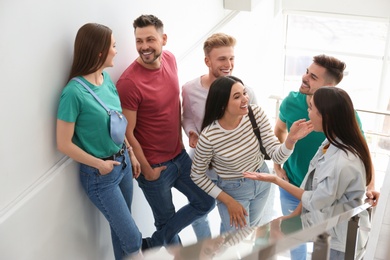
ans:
(278, 236)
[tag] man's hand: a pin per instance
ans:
(281, 173)
(154, 174)
(193, 139)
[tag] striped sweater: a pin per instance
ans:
(232, 152)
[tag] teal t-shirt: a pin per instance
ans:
(293, 108)
(92, 122)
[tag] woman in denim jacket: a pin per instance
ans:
(340, 170)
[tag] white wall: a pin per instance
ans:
(44, 214)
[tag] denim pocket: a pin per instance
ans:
(144, 182)
(87, 170)
(230, 185)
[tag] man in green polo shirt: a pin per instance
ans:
(324, 71)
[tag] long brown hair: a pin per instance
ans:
(91, 48)
(340, 125)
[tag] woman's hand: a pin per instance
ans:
(373, 195)
(136, 166)
(299, 130)
(236, 211)
(257, 176)
(237, 214)
(107, 166)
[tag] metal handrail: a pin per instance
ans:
(320, 231)
(377, 112)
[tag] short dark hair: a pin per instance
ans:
(334, 68)
(147, 20)
(218, 98)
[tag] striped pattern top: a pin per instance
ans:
(232, 152)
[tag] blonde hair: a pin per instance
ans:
(218, 40)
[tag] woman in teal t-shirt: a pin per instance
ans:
(83, 134)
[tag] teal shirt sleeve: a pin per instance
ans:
(78, 106)
(70, 103)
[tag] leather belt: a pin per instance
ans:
(118, 154)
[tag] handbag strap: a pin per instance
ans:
(257, 131)
(93, 93)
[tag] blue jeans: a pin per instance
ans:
(201, 226)
(159, 196)
(112, 194)
(289, 203)
(336, 255)
(251, 194)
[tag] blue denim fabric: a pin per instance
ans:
(336, 255)
(289, 203)
(159, 196)
(112, 194)
(249, 193)
(201, 228)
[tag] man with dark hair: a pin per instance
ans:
(150, 97)
(324, 71)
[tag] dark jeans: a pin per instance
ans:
(159, 195)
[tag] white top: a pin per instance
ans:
(194, 97)
(339, 177)
(232, 152)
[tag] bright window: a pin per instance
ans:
(361, 44)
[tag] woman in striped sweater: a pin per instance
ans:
(228, 145)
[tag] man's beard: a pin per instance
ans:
(156, 56)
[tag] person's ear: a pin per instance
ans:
(165, 39)
(207, 61)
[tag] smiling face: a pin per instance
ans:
(220, 61)
(149, 44)
(313, 79)
(315, 116)
(238, 101)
